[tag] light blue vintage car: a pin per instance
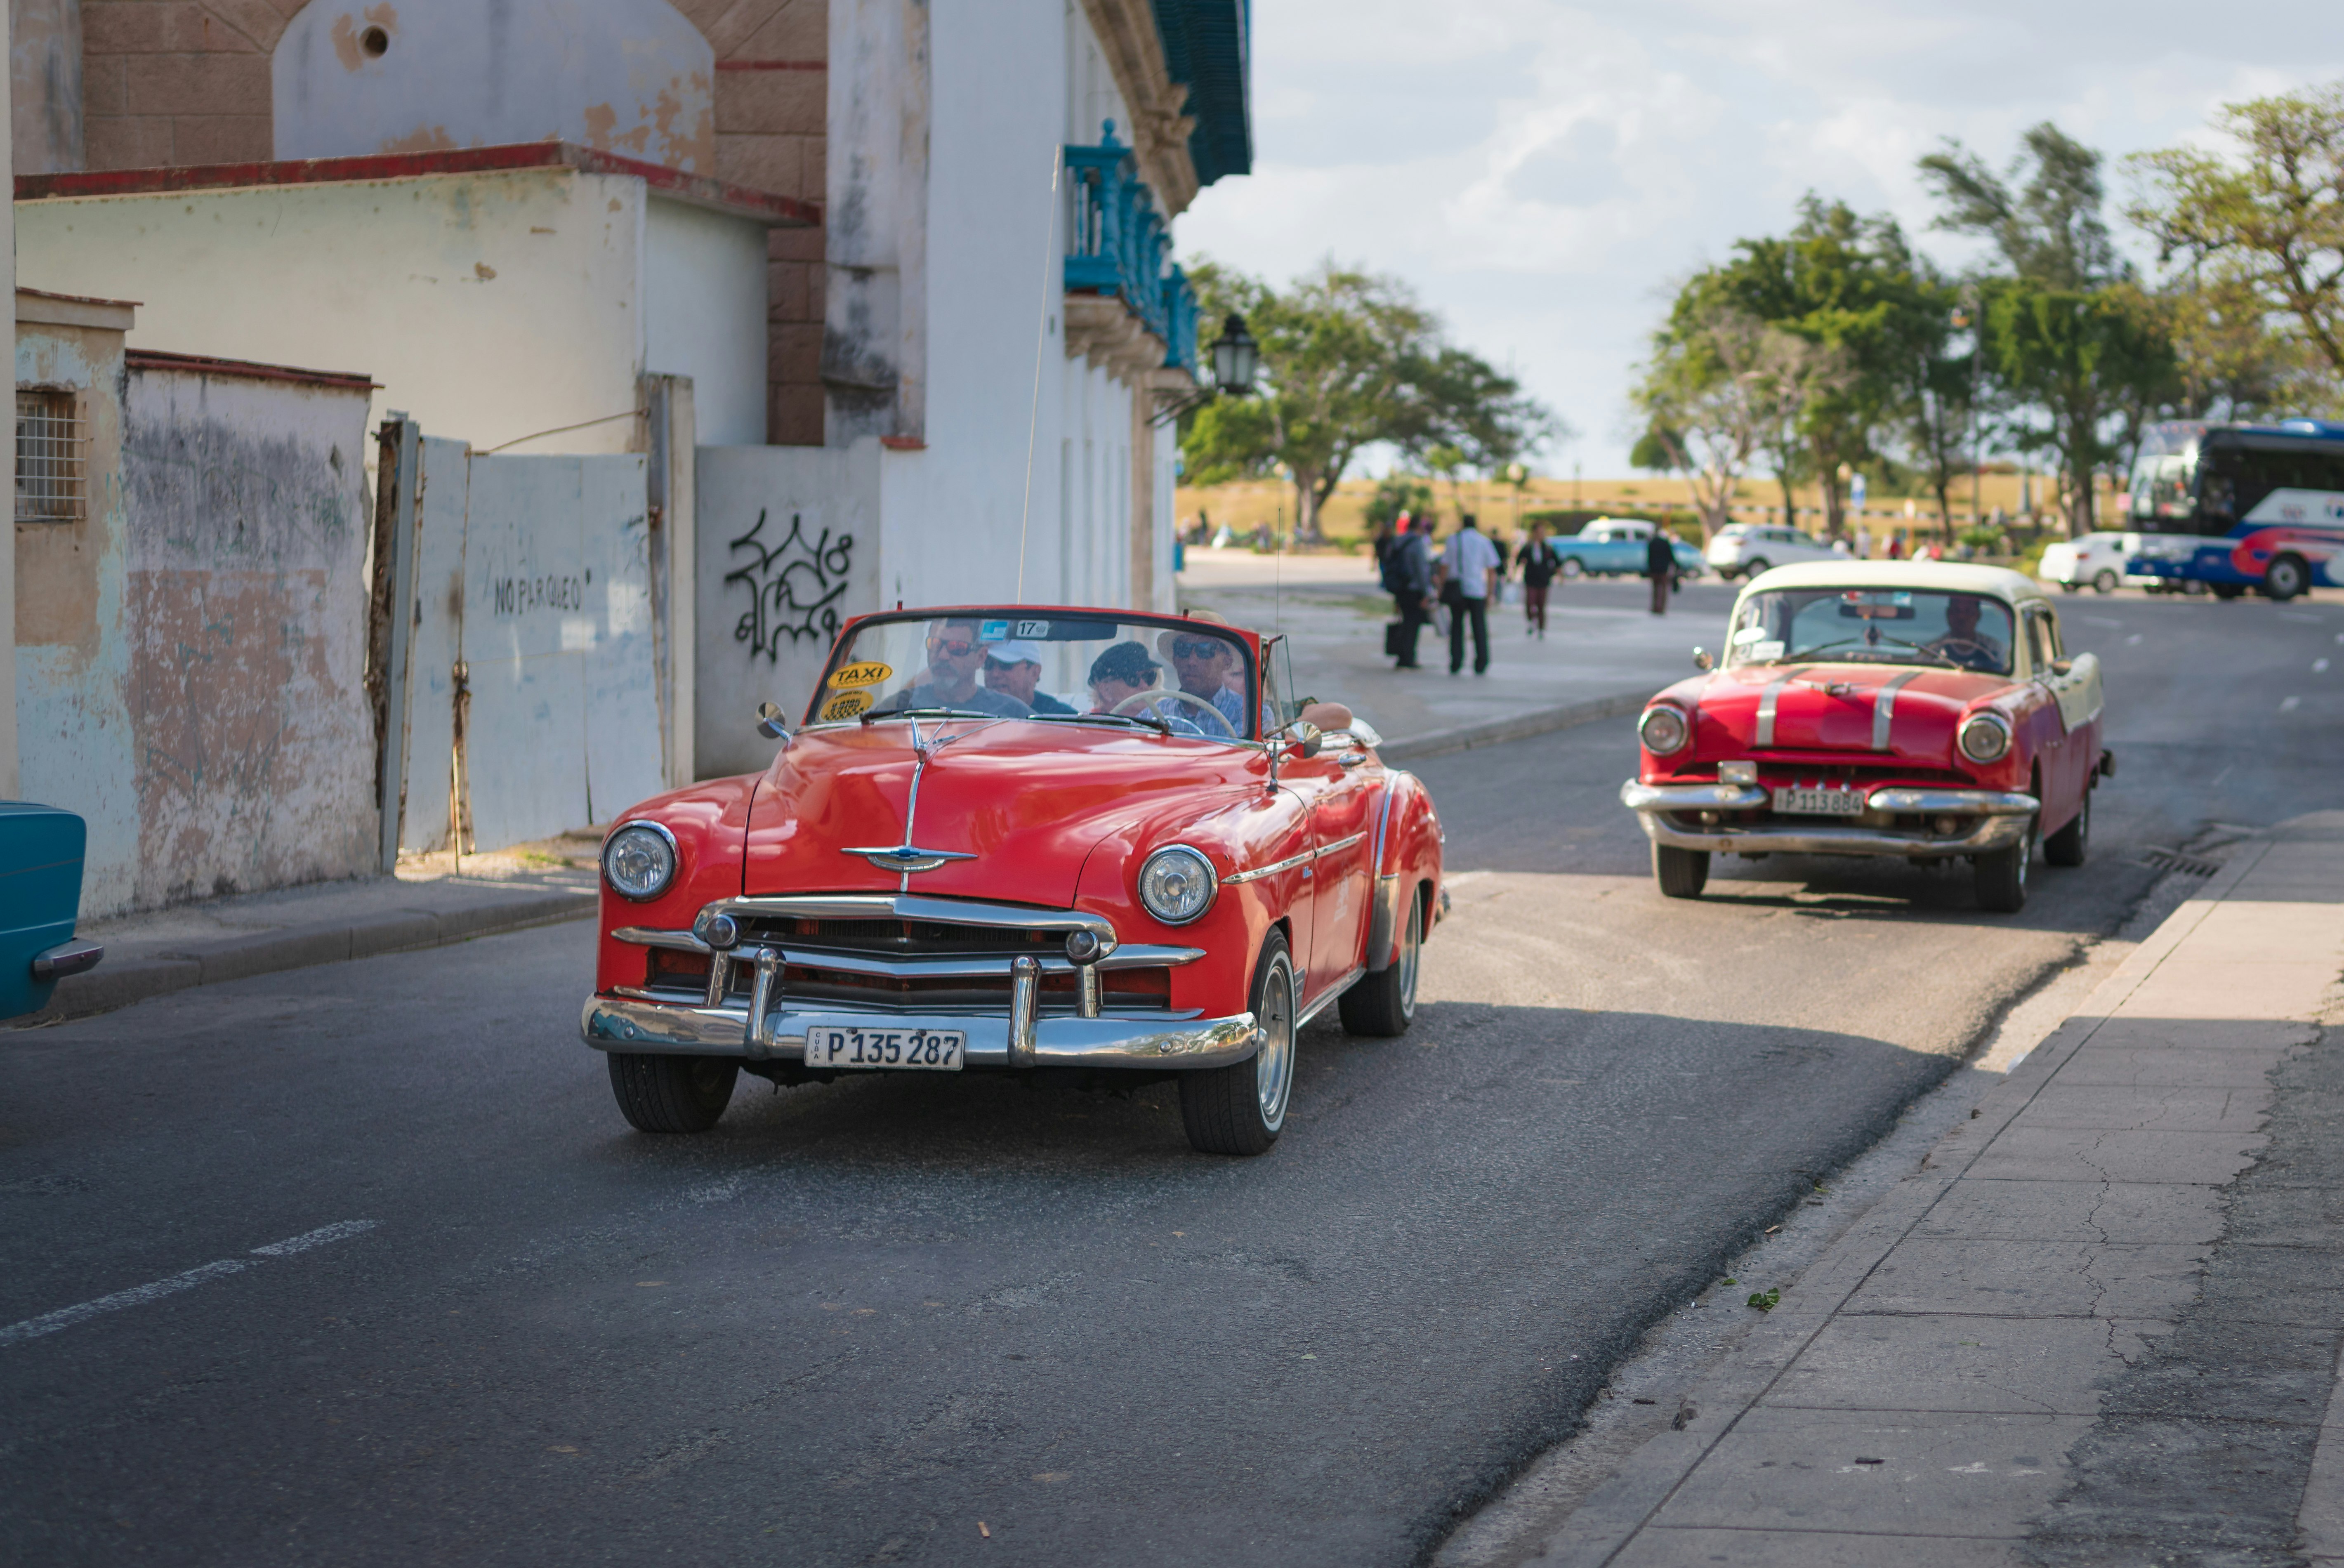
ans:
(41, 852)
(1614, 547)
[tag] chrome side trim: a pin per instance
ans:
(1337, 847)
(1383, 812)
(1883, 709)
(1765, 732)
(1333, 991)
(1638, 797)
(668, 1028)
(1289, 864)
(653, 937)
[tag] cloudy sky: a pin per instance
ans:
(1541, 173)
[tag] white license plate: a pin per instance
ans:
(857, 1045)
(1820, 802)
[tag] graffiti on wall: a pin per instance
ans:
(794, 586)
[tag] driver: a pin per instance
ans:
(955, 653)
(1204, 664)
(1962, 642)
(1124, 671)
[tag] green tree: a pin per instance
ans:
(2075, 350)
(2261, 225)
(1395, 493)
(1719, 388)
(1350, 358)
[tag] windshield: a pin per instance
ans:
(1172, 675)
(1873, 625)
(2161, 485)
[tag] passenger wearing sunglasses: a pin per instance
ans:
(954, 655)
(1014, 670)
(1204, 664)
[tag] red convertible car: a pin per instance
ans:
(1907, 709)
(1091, 842)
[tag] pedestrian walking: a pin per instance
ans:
(1660, 566)
(1408, 579)
(1470, 567)
(1538, 565)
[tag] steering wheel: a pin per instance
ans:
(1140, 701)
(1966, 651)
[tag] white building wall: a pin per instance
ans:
(705, 307)
(490, 306)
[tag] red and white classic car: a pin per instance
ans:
(1020, 839)
(1911, 709)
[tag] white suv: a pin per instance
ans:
(2101, 559)
(1747, 549)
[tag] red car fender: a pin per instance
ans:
(710, 823)
(1236, 833)
(1408, 852)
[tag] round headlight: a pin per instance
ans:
(1985, 737)
(638, 860)
(1663, 730)
(1176, 885)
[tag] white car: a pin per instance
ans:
(1747, 549)
(2101, 559)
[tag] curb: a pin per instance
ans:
(1520, 726)
(1615, 1510)
(121, 983)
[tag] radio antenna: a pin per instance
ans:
(1041, 336)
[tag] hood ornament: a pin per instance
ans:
(906, 859)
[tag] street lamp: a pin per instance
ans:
(1235, 358)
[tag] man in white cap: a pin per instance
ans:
(1014, 668)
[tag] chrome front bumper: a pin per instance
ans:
(684, 1028)
(1997, 820)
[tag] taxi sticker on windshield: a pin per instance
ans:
(1762, 653)
(869, 673)
(993, 630)
(847, 705)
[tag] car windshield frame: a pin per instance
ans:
(1124, 620)
(1874, 638)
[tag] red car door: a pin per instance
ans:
(1342, 788)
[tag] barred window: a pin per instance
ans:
(51, 456)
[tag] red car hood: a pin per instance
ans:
(1832, 707)
(1027, 801)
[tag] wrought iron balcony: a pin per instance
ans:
(1119, 245)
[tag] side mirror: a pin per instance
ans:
(772, 723)
(1701, 660)
(1300, 739)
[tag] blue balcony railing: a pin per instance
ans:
(1119, 244)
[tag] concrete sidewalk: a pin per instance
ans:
(427, 905)
(2100, 1324)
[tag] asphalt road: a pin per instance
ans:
(913, 1321)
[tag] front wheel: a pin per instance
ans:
(2072, 842)
(671, 1094)
(1754, 567)
(1240, 1109)
(2104, 581)
(1681, 873)
(1573, 568)
(1383, 1004)
(2001, 875)
(2286, 578)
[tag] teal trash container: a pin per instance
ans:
(41, 852)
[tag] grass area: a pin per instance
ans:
(1247, 505)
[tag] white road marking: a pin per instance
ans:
(2132, 640)
(2288, 704)
(139, 1295)
(2320, 666)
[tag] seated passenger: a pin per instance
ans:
(1125, 672)
(1205, 661)
(1964, 644)
(955, 653)
(1015, 670)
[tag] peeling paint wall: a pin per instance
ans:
(76, 744)
(44, 90)
(246, 594)
(628, 76)
(874, 344)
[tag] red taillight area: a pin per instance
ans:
(665, 965)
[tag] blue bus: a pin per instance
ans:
(2241, 508)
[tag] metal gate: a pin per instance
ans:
(525, 699)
